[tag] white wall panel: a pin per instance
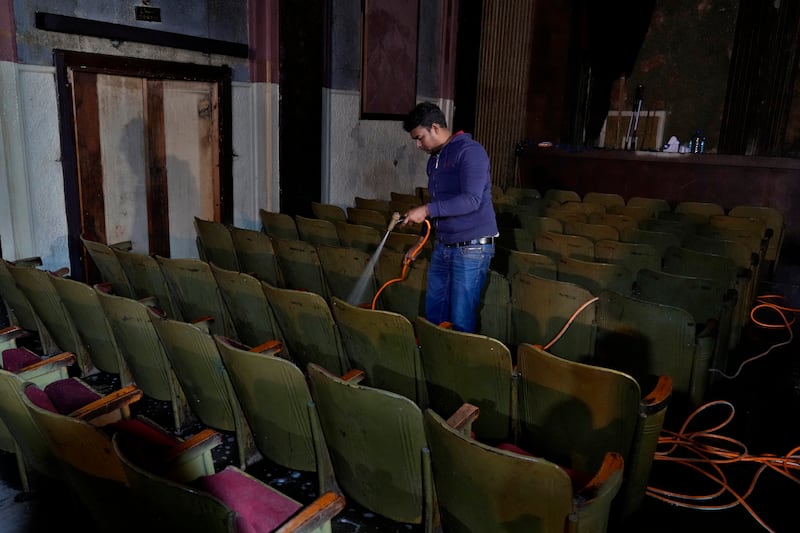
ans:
(255, 149)
(368, 158)
(42, 167)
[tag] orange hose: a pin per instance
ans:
(706, 452)
(406, 264)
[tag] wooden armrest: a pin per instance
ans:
(109, 403)
(61, 359)
(612, 462)
(354, 376)
(464, 417)
(125, 246)
(28, 261)
(12, 332)
(269, 346)
(206, 439)
(61, 272)
(204, 323)
(316, 514)
(656, 399)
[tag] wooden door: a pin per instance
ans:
(149, 152)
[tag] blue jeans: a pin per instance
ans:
(456, 279)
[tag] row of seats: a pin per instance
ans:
(130, 474)
(706, 301)
(376, 415)
(517, 201)
(651, 243)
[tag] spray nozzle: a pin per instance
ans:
(397, 218)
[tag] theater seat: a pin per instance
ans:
(227, 501)
(82, 443)
(486, 488)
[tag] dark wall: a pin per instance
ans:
(302, 48)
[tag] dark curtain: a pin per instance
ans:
(615, 33)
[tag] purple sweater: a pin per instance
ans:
(461, 191)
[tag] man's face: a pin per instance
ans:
(426, 139)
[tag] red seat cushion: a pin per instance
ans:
(258, 507)
(39, 398)
(579, 479)
(70, 394)
(15, 359)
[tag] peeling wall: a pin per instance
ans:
(373, 157)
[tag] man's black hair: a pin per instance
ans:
(424, 114)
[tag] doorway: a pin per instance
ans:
(145, 148)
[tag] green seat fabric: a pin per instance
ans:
(247, 305)
(595, 276)
(215, 243)
(633, 255)
(108, 265)
(574, 414)
(144, 354)
(494, 313)
(483, 488)
(308, 328)
(195, 292)
(94, 331)
(540, 308)
(147, 280)
(384, 345)
(468, 368)
(316, 231)
(300, 266)
(277, 404)
(407, 296)
(19, 310)
(378, 447)
(562, 245)
(46, 302)
(349, 273)
(594, 232)
(256, 255)
(331, 212)
(646, 339)
(537, 264)
(358, 236)
(711, 303)
(195, 358)
(278, 225)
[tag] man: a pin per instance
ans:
(462, 216)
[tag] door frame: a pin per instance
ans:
(65, 61)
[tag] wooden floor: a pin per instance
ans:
(766, 397)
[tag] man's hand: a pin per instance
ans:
(416, 215)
